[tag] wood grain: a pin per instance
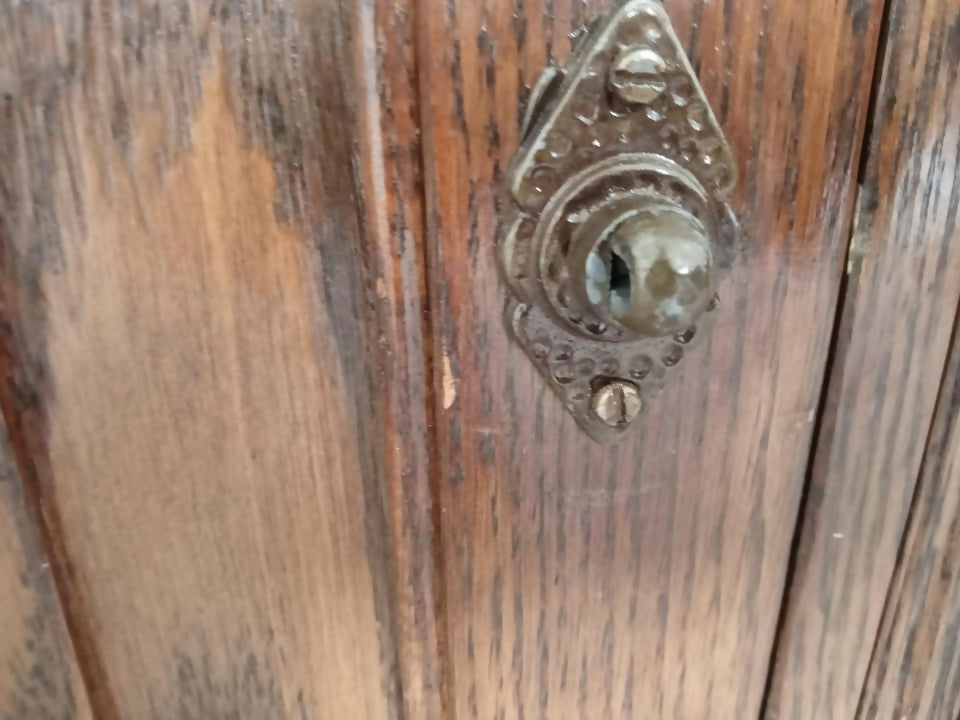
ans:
(903, 284)
(915, 668)
(386, 68)
(212, 350)
(39, 675)
(643, 580)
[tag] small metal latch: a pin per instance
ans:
(618, 232)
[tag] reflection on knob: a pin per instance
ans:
(651, 273)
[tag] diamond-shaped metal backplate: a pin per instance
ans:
(584, 150)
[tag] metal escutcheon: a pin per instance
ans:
(618, 231)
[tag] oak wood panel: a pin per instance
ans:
(212, 349)
(903, 283)
(642, 580)
(915, 668)
(39, 674)
(914, 671)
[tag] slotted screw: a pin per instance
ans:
(617, 404)
(636, 75)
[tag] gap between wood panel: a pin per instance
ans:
(392, 212)
(434, 386)
(835, 338)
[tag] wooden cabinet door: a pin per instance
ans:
(273, 454)
(643, 580)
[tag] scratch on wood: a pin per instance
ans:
(449, 384)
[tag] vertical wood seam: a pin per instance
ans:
(862, 162)
(372, 72)
(433, 394)
(380, 544)
(807, 478)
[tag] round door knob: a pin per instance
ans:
(651, 272)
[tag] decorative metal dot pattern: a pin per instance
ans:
(625, 124)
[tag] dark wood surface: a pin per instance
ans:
(212, 351)
(385, 67)
(903, 284)
(643, 580)
(915, 668)
(288, 462)
(39, 674)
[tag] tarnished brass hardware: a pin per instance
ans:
(617, 403)
(618, 231)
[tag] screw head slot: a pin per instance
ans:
(636, 75)
(617, 404)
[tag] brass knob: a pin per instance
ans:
(652, 272)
